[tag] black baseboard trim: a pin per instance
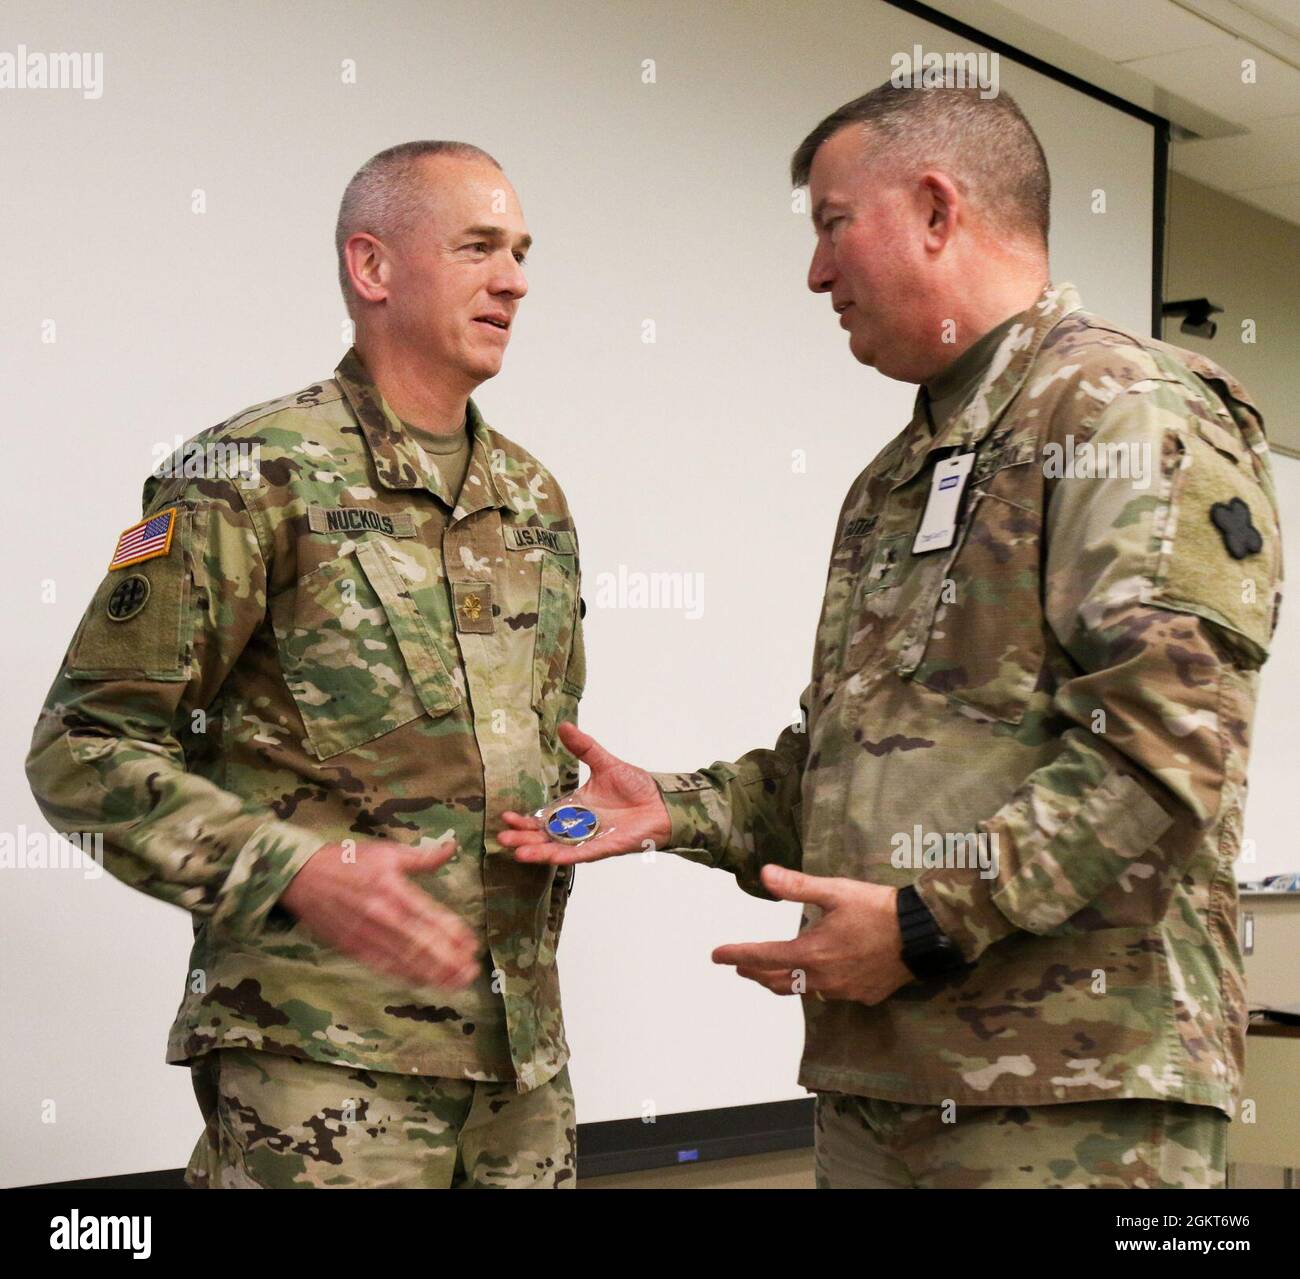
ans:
(160, 1179)
(694, 1136)
(618, 1145)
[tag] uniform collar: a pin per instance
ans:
(1005, 375)
(398, 459)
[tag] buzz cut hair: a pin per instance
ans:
(387, 194)
(985, 145)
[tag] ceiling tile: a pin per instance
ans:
(1266, 156)
(1121, 30)
(1212, 78)
(1284, 14)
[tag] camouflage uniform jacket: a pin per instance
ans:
(1075, 675)
(335, 653)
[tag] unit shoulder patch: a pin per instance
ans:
(128, 597)
(1240, 536)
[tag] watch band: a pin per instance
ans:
(927, 950)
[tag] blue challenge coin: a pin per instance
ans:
(572, 824)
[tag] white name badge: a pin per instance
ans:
(939, 523)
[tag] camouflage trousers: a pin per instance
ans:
(275, 1122)
(866, 1143)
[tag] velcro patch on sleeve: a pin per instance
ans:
(146, 540)
(527, 537)
(1223, 559)
(138, 625)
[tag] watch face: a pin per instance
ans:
(572, 824)
(933, 958)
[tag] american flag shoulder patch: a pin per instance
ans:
(145, 540)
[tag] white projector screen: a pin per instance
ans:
(720, 451)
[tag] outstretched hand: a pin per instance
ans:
(625, 798)
(853, 951)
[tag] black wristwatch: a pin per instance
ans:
(927, 950)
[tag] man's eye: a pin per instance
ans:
(521, 258)
(480, 246)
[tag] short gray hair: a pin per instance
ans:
(984, 144)
(386, 194)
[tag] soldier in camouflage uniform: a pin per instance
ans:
(1015, 799)
(298, 686)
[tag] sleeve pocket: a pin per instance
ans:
(1221, 558)
(152, 643)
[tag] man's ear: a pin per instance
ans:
(368, 266)
(940, 199)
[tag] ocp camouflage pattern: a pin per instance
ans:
(275, 1123)
(1076, 675)
(1134, 1144)
(295, 680)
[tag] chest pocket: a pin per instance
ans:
(841, 584)
(877, 568)
(357, 654)
(979, 632)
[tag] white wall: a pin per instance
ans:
(1269, 846)
(1247, 262)
(664, 201)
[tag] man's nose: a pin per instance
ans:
(510, 280)
(821, 270)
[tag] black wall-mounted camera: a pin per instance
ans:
(1196, 314)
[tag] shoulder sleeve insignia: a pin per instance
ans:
(129, 597)
(145, 540)
(1240, 536)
